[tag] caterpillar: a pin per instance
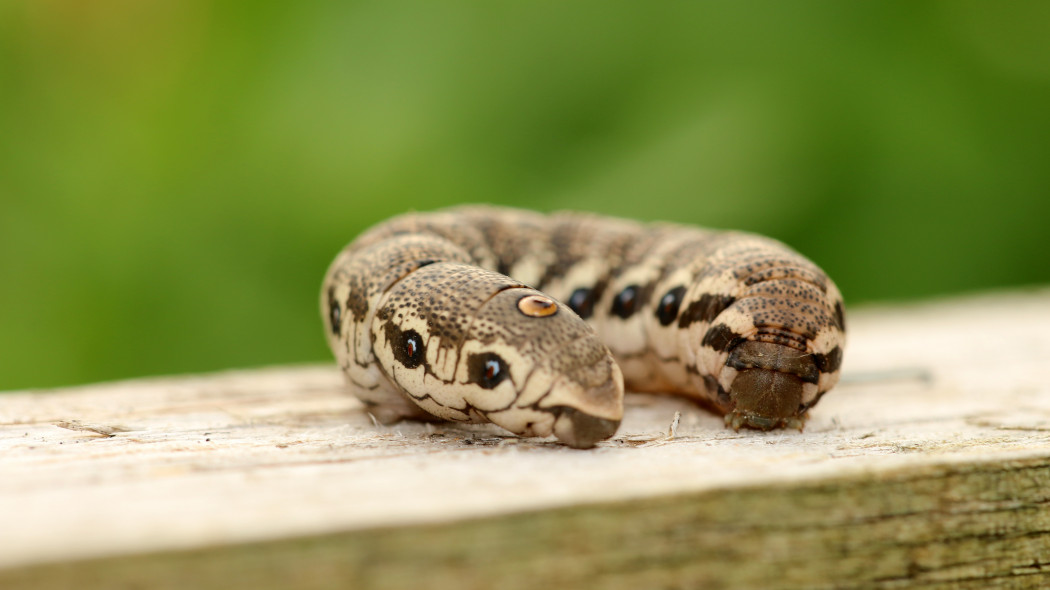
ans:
(536, 322)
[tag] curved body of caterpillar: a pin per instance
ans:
(426, 321)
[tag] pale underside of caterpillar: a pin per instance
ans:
(536, 322)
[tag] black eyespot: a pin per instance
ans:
(667, 310)
(335, 314)
(487, 369)
(624, 303)
(412, 349)
(582, 302)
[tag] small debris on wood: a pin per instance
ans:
(106, 430)
(673, 430)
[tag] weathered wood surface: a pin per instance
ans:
(929, 468)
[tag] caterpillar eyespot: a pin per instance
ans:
(582, 302)
(624, 302)
(670, 303)
(434, 315)
(537, 306)
(487, 370)
(411, 349)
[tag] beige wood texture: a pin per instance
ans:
(928, 468)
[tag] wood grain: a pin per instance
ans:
(928, 467)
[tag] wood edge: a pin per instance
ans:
(963, 525)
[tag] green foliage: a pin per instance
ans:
(176, 176)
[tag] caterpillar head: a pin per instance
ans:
(473, 346)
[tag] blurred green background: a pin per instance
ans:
(176, 176)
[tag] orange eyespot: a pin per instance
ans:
(537, 306)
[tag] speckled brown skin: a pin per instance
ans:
(426, 321)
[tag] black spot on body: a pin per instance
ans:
(626, 302)
(582, 302)
(840, 316)
(705, 309)
(830, 362)
(721, 338)
(716, 389)
(667, 309)
(335, 313)
(487, 369)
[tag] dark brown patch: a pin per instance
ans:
(335, 313)
(766, 397)
(715, 388)
(830, 362)
(587, 430)
(356, 303)
(705, 309)
(840, 316)
(563, 239)
(721, 338)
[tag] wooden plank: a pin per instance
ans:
(929, 468)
